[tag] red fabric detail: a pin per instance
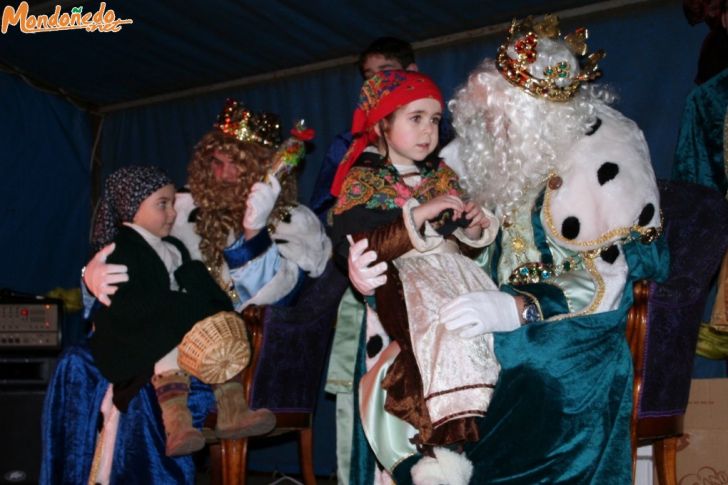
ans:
(303, 135)
(410, 86)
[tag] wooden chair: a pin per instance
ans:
(662, 325)
(290, 346)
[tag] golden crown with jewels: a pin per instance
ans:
(256, 127)
(556, 82)
(265, 129)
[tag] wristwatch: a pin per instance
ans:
(530, 311)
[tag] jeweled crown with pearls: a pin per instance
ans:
(556, 82)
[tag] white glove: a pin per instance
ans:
(363, 278)
(481, 312)
(100, 277)
(261, 199)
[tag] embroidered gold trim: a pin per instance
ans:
(537, 272)
(599, 281)
(591, 267)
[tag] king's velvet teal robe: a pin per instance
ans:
(562, 406)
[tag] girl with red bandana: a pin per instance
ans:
(397, 197)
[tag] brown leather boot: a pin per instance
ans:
(234, 418)
(172, 389)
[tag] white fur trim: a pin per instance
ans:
(282, 283)
(451, 154)
(306, 242)
(605, 211)
(182, 228)
(447, 468)
(422, 243)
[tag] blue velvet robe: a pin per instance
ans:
(71, 416)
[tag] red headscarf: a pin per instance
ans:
(382, 94)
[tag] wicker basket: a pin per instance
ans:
(216, 349)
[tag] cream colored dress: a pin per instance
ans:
(458, 374)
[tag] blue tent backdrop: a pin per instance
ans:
(47, 139)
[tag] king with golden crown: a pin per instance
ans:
(570, 179)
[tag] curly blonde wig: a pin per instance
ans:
(222, 204)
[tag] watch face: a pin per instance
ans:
(530, 312)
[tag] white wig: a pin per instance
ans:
(508, 141)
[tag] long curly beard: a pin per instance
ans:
(222, 205)
(220, 215)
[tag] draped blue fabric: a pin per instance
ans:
(44, 189)
(70, 423)
(165, 134)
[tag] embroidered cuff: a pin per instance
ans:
(423, 241)
(242, 251)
